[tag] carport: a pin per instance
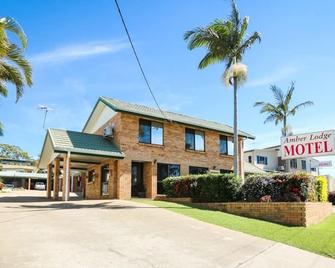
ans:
(66, 151)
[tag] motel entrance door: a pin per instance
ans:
(137, 186)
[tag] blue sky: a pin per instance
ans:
(79, 52)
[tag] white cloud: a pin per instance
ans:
(273, 77)
(78, 51)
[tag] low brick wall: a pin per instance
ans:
(172, 199)
(288, 213)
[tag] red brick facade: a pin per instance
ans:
(171, 152)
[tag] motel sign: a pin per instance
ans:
(308, 145)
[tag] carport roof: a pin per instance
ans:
(82, 146)
(83, 143)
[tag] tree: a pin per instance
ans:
(13, 152)
(281, 109)
(14, 68)
(226, 41)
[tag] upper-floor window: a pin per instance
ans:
(226, 145)
(150, 132)
(194, 140)
(293, 163)
(303, 164)
(250, 159)
(263, 160)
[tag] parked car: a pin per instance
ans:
(39, 186)
(9, 186)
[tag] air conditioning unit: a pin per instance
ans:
(109, 131)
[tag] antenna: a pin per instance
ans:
(46, 109)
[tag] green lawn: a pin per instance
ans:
(318, 238)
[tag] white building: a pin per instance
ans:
(269, 159)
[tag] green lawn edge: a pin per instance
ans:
(318, 238)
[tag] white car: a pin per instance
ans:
(39, 186)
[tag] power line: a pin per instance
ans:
(137, 59)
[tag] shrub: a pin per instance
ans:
(279, 188)
(322, 188)
(331, 197)
(204, 188)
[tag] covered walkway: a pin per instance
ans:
(66, 153)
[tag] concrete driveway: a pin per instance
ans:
(112, 233)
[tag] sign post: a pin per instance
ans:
(308, 145)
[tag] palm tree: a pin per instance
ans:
(14, 68)
(280, 110)
(226, 41)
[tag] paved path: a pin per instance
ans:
(113, 233)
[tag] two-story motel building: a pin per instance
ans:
(126, 150)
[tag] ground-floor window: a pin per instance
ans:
(198, 170)
(164, 171)
(223, 171)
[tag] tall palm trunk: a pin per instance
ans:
(287, 162)
(236, 166)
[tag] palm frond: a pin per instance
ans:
(301, 105)
(12, 25)
(278, 94)
(235, 15)
(15, 55)
(208, 59)
(256, 36)
(12, 75)
(1, 129)
(289, 94)
(3, 90)
(271, 118)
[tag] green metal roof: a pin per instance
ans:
(137, 109)
(83, 143)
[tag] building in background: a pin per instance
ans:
(269, 160)
(20, 173)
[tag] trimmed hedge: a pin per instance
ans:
(297, 187)
(322, 188)
(204, 188)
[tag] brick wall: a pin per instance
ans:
(289, 213)
(172, 152)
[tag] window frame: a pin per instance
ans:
(303, 164)
(195, 167)
(194, 133)
(264, 162)
(223, 137)
(149, 122)
(295, 166)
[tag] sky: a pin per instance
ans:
(79, 51)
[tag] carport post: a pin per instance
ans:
(56, 178)
(48, 181)
(67, 177)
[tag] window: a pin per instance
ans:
(150, 132)
(91, 175)
(262, 160)
(303, 164)
(194, 140)
(198, 170)
(164, 171)
(250, 159)
(225, 171)
(313, 169)
(223, 145)
(293, 163)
